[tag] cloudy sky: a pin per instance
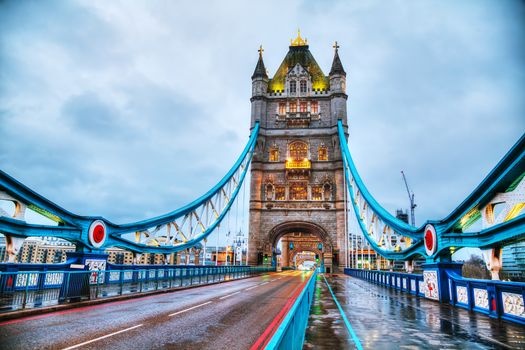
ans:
(131, 109)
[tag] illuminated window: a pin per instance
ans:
(280, 193)
(274, 154)
(299, 191)
(282, 108)
(293, 87)
(293, 107)
(317, 193)
(298, 150)
(303, 107)
(302, 86)
(322, 153)
(314, 107)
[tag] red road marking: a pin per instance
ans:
(272, 328)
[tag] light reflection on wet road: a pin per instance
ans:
(221, 316)
(387, 319)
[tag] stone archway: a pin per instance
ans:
(298, 257)
(298, 226)
(297, 236)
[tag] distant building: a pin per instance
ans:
(43, 251)
(402, 215)
(513, 259)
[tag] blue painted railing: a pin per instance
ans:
(31, 288)
(291, 332)
(497, 299)
(406, 282)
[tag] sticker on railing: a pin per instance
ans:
(481, 298)
(513, 304)
(431, 288)
(462, 295)
(54, 279)
(26, 280)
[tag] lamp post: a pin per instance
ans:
(238, 242)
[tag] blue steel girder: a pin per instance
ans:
(163, 234)
(507, 232)
(504, 184)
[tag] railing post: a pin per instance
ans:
(121, 281)
(25, 291)
(66, 287)
(494, 304)
(98, 281)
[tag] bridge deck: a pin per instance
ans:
(232, 313)
(385, 319)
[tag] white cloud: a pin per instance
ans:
(435, 89)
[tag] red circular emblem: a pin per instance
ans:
(97, 233)
(430, 239)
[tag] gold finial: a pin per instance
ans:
(261, 50)
(298, 41)
(336, 46)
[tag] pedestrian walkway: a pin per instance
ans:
(383, 318)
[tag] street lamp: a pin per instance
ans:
(238, 242)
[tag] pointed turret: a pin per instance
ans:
(259, 89)
(337, 66)
(260, 69)
(338, 88)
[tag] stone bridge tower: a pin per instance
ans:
(296, 191)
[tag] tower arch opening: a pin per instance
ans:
(294, 243)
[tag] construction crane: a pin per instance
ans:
(413, 205)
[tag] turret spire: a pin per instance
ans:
(260, 69)
(337, 66)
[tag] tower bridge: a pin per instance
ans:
(304, 190)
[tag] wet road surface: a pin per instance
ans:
(233, 314)
(383, 318)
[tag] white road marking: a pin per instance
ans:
(103, 337)
(252, 287)
(262, 284)
(229, 295)
(191, 308)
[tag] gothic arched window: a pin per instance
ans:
(299, 191)
(293, 107)
(314, 107)
(317, 193)
(293, 87)
(282, 108)
(303, 107)
(280, 193)
(322, 153)
(302, 86)
(298, 150)
(274, 154)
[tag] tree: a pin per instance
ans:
(475, 268)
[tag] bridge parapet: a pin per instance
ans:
(496, 299)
